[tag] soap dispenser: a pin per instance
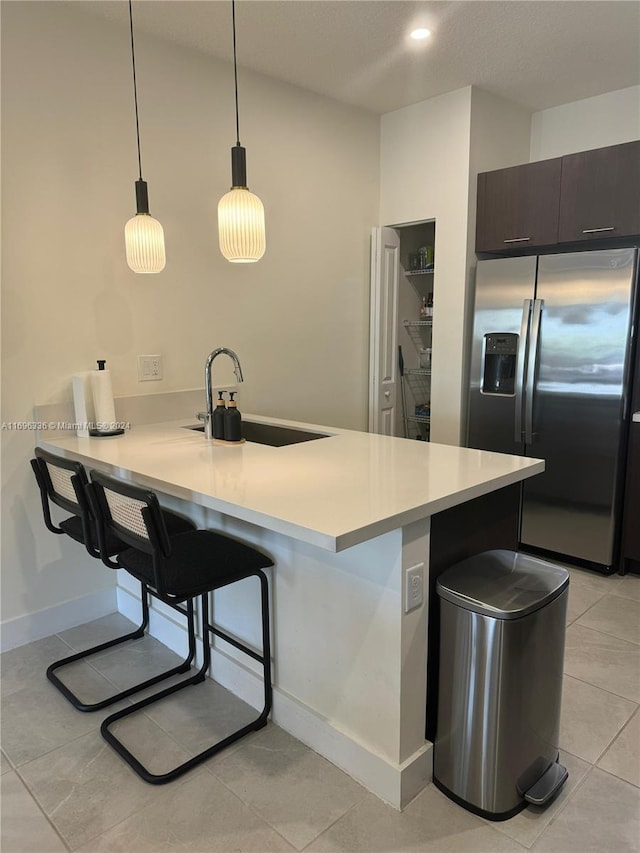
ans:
(218, 416)
(232, 420)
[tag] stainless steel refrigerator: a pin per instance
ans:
(551, 363)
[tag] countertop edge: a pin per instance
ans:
(334, 542)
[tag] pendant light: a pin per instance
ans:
(143, 235)
(240, 212)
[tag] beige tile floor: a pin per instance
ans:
(63, 788)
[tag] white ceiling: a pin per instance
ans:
(539, 54)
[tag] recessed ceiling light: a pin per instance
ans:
(420, 34)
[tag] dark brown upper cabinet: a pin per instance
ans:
(600, 193)
(518, 207)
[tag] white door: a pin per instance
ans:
(383, 342)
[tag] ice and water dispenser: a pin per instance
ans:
(499, 363)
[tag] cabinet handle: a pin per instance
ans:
(517, 240)
(596, 230)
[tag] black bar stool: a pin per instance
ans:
(64, 483)
(178, 568)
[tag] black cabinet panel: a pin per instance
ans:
(600, 193)
(631, 521)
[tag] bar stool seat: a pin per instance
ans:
(190, 568)
(64, 482)
(178, 569)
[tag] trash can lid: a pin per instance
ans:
(502, 584)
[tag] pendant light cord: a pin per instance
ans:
(135, 88)
(235, 67)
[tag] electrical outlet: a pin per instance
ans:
(413, 591)
(156, 366)
(149, 368)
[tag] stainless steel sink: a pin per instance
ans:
(274, 436)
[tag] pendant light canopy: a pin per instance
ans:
(143, 235)
(240, 213)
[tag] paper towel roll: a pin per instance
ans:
(105, 413)
(83, 402)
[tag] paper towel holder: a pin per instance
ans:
(96, 433)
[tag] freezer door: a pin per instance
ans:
(577, 422)
(503, 304)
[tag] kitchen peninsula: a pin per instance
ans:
(344, 517)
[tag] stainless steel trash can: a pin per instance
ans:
(502, 638)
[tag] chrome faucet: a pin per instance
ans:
(208, 368)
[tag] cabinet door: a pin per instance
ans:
(518, 207)
(600, 193)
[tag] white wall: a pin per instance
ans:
(424, 174)
(298, 319)
(608, 119)
(500, 137)
(431, 153)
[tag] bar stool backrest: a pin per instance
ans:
(132, 514)
(63, 482)
(61, 479)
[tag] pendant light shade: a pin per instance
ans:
(143, 235)
(144, 242)
(241, 229)
(241, 226)
(241, 216)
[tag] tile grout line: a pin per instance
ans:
(42, 811)
(598, 687)
(605, 634)
(600, 631)
(338, 819)
(49, 751)
(137, 812)
(268, 822)
(617, 734)
(252, 810)
(610, 744)
(614, 738)
(618, 778)
(580, 615)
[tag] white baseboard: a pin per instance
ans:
(395, 784)
(60, 617)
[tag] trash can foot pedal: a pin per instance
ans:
(547, 785)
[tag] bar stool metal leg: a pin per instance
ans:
(182, 667)
(259, 722)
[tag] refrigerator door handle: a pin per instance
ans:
(520, 366)
(531, 369)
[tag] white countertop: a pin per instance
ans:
(333, 493)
